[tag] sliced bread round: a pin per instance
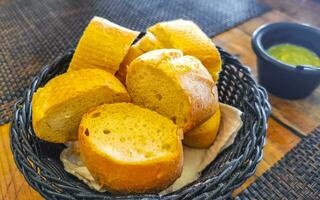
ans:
(130, 149)
(176, 86)
(103, 45)
(57, 108)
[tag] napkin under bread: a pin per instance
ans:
(195, 160)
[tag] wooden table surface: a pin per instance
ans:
(290, 121)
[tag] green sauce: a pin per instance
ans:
(294, 55)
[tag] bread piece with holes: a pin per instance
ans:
(103, 45)
(130, 149)
(187, 36)
(57, 108)
(176, 86)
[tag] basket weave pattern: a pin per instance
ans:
(39, 160)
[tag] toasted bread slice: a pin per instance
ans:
(130, 149)
(176, 86)
(187, 36)
(103, 45)
(57, 108)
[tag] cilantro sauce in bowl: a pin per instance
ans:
(294, 55)
(288, 58)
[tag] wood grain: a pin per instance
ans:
(273, 16)
(12, 183)
(302, 115)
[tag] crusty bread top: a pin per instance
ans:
(176, 86)
(103, 45)
(156, 57)
(187, 36)
(128, 133)
(72, 83)
(174, 63)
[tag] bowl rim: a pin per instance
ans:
(260, 51)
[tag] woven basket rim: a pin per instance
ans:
(221, 186)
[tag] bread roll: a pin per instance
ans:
(57, 108)
(130, 149)
(187, 36)
(205, 134)
(103, 45)
(176, 86)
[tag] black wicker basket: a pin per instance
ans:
(39, 160)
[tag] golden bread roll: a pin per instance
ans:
(103, 45)
(187, 36)
(130, 149)
(176, 86)
(205, 134)
(57, 108)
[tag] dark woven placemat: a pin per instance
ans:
(296, 176)
(33, 32)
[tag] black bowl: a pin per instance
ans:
(277, 77)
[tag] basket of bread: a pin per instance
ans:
(163, 114)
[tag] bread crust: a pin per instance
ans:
(203, 135)
(202, 100)
(103, 45)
